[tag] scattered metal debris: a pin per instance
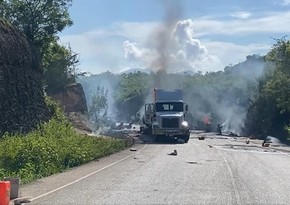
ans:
(265, 144)
(174, 153)
(21, 201)
(233, 134)
(192, 162)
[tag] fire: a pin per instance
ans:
(206, 120)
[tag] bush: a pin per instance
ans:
(52, 148)
(287, 128)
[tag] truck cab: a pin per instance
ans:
(165, 118)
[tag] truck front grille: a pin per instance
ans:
(170, 123)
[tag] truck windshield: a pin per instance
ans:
(169, 106)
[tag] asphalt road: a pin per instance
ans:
(210, 171)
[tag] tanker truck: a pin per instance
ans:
(165, 117)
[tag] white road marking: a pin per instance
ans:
(235, 187)
(265, 151)
(86, 176)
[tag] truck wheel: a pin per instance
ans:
(146, 131)
(185, 138)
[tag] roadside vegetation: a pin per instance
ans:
(53, 145)
(52, 148)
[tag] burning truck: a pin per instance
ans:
(165, 117)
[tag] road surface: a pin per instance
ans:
(210, 171)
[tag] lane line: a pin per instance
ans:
(235, 187)
(253, 151)
(86, 176)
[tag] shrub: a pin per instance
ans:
(52, 148)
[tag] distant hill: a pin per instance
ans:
(135, 70)
(148, 71)
(187, 72)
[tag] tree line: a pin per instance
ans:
(250, 97)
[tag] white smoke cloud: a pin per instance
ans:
(134, 52)
(184, 53)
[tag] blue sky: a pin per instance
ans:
(203, 35)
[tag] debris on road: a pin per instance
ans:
(247, 140)
(174, 153)
(192, 162)
(133, 149)
(21, 201)
(201, 137)
(210, 146)
(232, 134)
(219, 129)
(265, 144)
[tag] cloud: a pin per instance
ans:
(241, 15)
(286, 2)
(184, 52)
(206, 43)
(231, 53)
(268, 23)
(135, 31)
(135, 53)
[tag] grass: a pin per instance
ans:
(52, 148)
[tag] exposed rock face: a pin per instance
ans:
(72, 99)
(22, 105)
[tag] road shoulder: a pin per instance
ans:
(56, 182)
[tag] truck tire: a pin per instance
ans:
(146, 131)
(186, 138)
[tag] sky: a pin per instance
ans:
(176, 35)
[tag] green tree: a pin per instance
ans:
(99, 107)
(60, 67)
(2, 5)
(278, 86)
(40, 20)
(131, 93)
(269, 113)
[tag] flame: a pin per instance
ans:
(206, 120)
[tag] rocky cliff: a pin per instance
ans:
(22, 104)
(73, 101)
(72, 98)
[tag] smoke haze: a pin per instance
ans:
(172, 47)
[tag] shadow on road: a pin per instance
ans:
(144, 139)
